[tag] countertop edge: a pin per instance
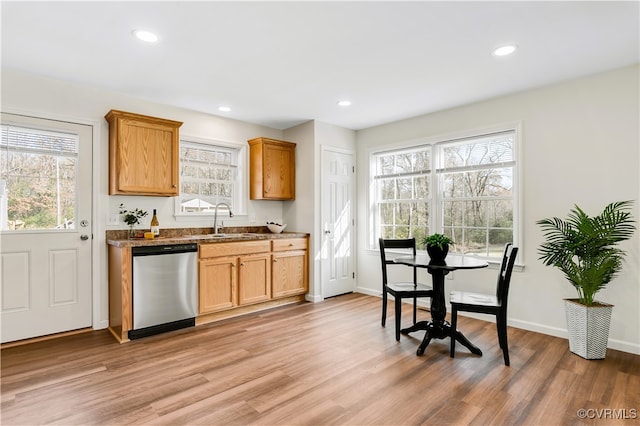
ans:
(139, 242)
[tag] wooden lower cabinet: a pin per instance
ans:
(289, 274)
(237, 274)
(218, 284)
(254, 279)
(234, 274)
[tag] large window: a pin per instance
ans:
(402, 182)
(209, 174)
(37, 179)
(464, 188)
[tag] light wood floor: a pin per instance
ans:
(329, 363)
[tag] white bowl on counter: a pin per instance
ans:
(275, 228)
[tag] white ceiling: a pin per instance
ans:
(283, 63)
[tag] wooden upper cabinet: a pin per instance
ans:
(272, 169)
(143, 154)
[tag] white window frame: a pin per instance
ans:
(239, 196)
(436, 202)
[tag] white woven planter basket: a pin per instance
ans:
(588, 328)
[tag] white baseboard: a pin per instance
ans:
(100, 325)
(616, 344)
(313, 298)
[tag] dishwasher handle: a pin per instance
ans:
(165, 249)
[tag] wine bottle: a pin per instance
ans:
(155, 225)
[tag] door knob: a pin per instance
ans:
(84, 237)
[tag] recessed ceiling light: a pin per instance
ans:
(505, 50)
(145, 35)
(344, 103)
(224, 108)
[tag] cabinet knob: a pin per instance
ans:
(275, 260)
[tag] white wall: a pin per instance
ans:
(300, 214)
(580, 145)
(40, 97)
(306, 213)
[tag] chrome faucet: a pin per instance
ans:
(215, 216)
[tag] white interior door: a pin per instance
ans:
(45, 228)
(337, 270)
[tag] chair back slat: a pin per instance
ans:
(407, 243)
(504, 277)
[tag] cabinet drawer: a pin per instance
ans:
(289, 244)
(231, 249)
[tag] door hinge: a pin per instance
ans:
(353, 275)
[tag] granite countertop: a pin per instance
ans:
(199, 235)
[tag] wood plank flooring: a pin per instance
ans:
(328, 363)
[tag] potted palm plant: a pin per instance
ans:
(584, 249)
(437, 246)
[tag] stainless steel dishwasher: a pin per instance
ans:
(165, 288)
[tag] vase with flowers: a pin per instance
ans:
(131, 218)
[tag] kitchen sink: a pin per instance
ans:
(206, 236)
(215, 236)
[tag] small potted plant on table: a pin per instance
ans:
(437, 246)
(584, 249)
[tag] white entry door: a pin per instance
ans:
(337, 270)
(45, 228)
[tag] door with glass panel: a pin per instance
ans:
(45, 227)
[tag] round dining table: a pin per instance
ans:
(438, 327)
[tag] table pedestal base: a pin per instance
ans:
(436, 330)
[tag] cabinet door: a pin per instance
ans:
(278, 167)
(254, 283)
(143, 154)
(289, 273)
(272, 169)
(217, 284)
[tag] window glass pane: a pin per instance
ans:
(208, 176)
(475, 241)
(497, 239)
(422, 160)
(404, 163)
(489, 149)
(421, 187)
(385, 165)
(37, 179)
(386, 214)
(452, 213)
(500, 182)
(408, 188)
(453, 185)
(387, 189)
(501, 214)
(474, 214)
(421, 215)
(405, 188)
